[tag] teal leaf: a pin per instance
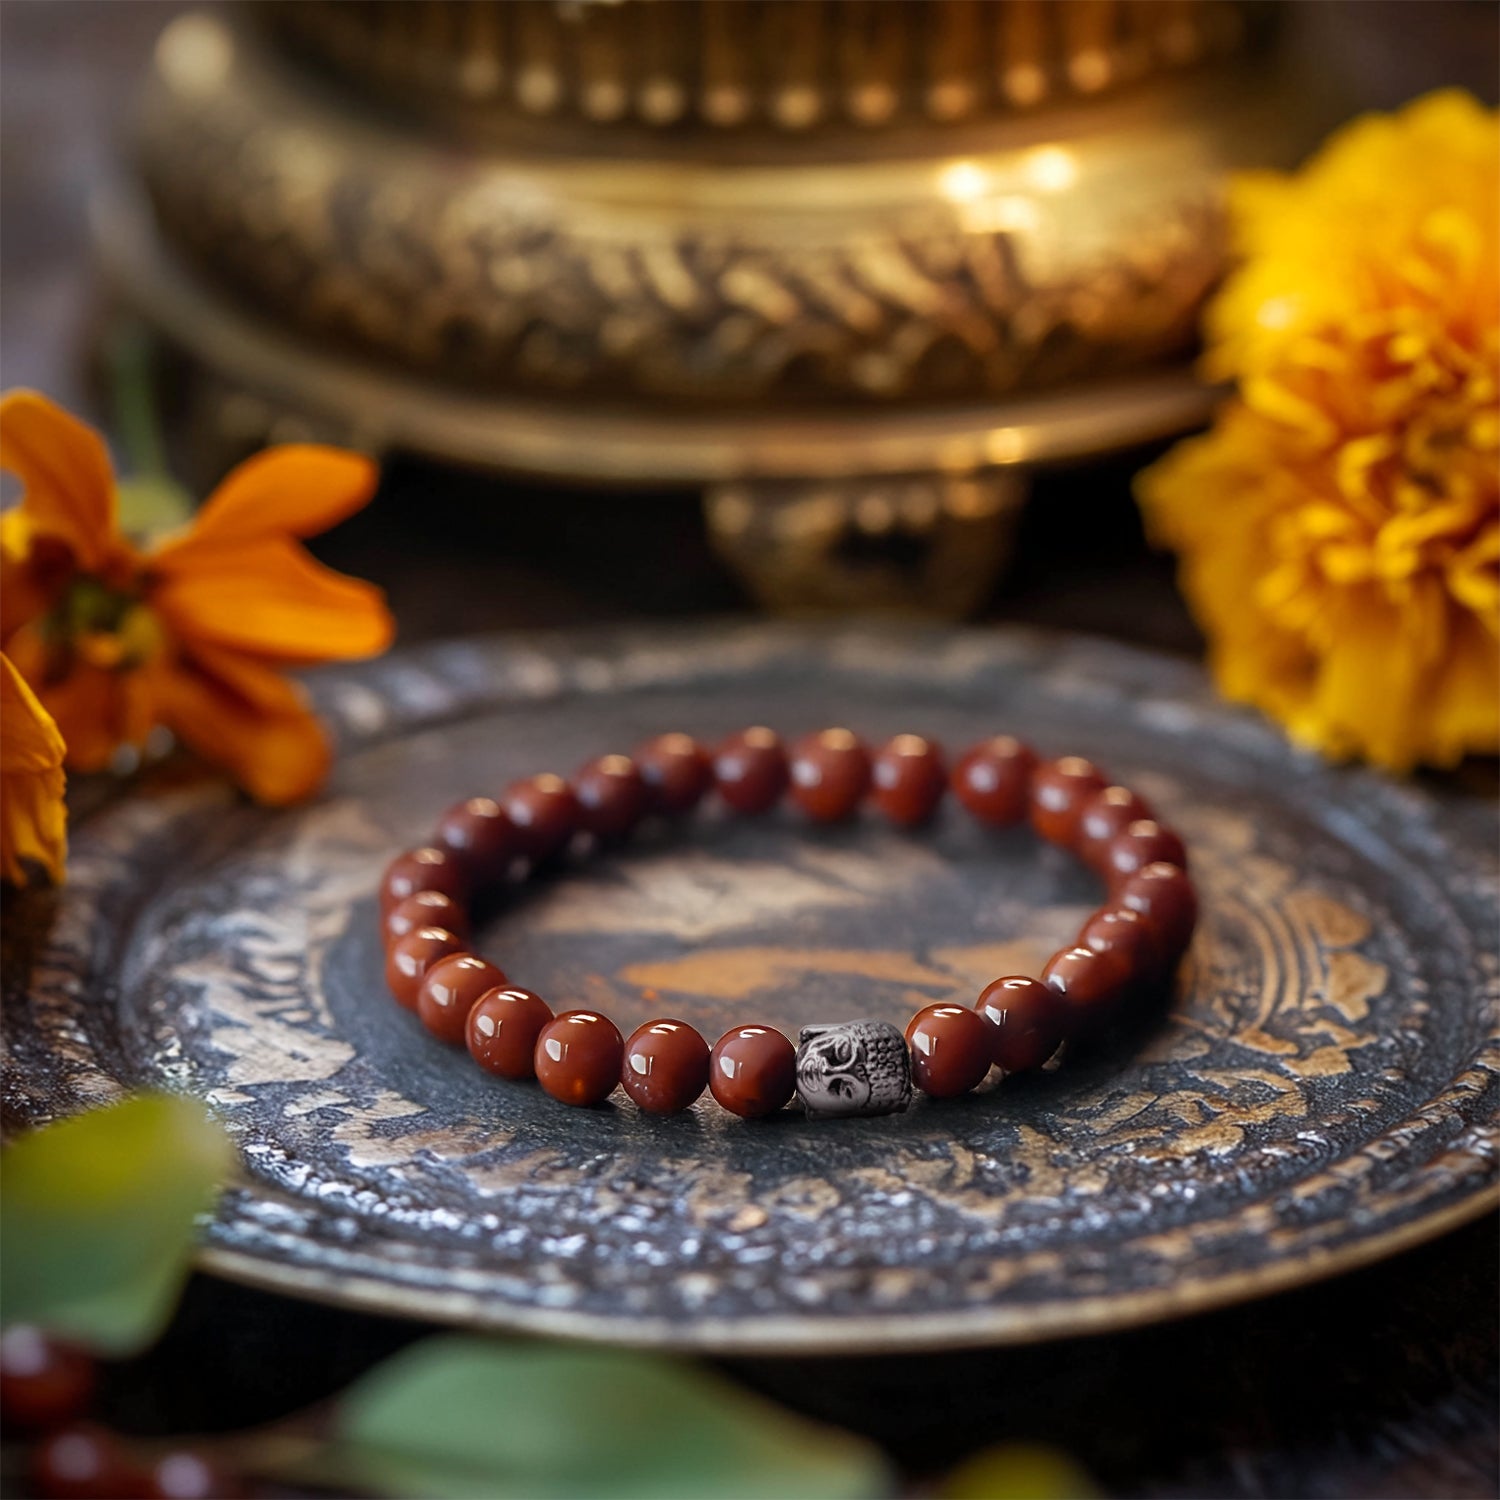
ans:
(459, 1418)
(98, 1216)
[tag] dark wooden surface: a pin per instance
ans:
(1382, 1383)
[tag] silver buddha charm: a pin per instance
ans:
(852, 1068)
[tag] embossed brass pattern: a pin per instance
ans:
(691, 241)
(1325, 1090)
(785, 65)
(699, 282)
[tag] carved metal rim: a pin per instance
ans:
(1032, 1324)
(1447, 1177)
(621, 445)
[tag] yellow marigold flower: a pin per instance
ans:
(197, 631)
(33, 820)
(1339, 526)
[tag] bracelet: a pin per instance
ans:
(1126, 949)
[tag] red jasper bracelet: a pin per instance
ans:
(1130, 946)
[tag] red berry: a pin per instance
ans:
(83, 1463)
(185, 1475)
(43, 1383)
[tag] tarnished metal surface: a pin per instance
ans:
(1324, 1091)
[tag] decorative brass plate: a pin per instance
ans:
(1324, 1092)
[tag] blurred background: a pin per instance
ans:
(803, 307)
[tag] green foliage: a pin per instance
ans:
(97, 1218)
(457, 1418)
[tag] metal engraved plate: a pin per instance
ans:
(853, 1068)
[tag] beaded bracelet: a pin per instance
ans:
(1127, 948)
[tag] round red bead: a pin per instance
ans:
(676, 770)
(410, 958)
(502, 1029)
(483, 837)
(1090, 985)
(993, 780)
(909, 779)
(426, 869)
(1025, 1024)
(450, 989)
(1059, 789)
(1109, 812)
(43, 1382)
(543, 811)
(426, 909)
(1163, 894)
(830, 774)
(665, 1066)
(1144, 842)
(1132, 935)
(950, 1050)
(578, 1056)
(750, 770)
(752, 1071)
(611, 796)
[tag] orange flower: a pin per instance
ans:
(1339, 527)
(33, 821)
(195, 632)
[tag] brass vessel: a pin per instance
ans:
(851, 267)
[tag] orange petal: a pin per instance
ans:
(29, 739)
(33, 816)
(299, 489)
(65, 468)
(278, 756)
(271, 598)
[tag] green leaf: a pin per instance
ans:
(458, 1418)
(97, 1218)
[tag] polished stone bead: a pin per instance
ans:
(1134, 936)
(1144, 842)
(479, 832)
(577, 1057)
(750, 770)
(950, 1050)
(428, 869)
(1090, 984)
(43, 1381)
(909, 779)
(1059, 789)
(852, 1068)
(1106, 814)
(677, 772)
(752, 1071)
(544, 813)
(1163, 893)
(502, 1029)
(426, 909)
(993, 780)
(611, 796)
(830, 773)
(409, 958)
(665, 1066)
(450, 989)
(1024, 1019)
